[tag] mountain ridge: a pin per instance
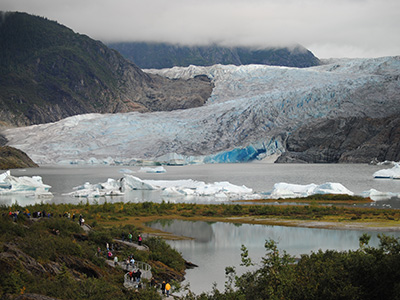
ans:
(162, 55)
(49, 73)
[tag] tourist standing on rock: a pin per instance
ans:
(140, 240)
(168, 287)
(163, 287)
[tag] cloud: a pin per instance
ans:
(329, 28)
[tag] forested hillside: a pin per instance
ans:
(161, 55)
(49, 72)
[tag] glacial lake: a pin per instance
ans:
(217, 245)
(259, 176)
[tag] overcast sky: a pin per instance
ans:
(328, 28)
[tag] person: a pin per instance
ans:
(167, 287)
(131, 275)
(109, 255)
(132, 261)
(163, 287)
(107, 247)
(130, 237)
(138, 275)
(115, 260)
(140, 240)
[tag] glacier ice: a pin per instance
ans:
(32, 186)
(393, 173)
(248, 116)
(169, 188)
(288, 190)
(377, 195)
(159, 169)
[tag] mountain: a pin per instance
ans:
(162, 55)
(48, 73)
(342, 111)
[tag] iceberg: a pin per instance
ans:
(159, 169)
(221, 191)
(377, 195)
(393, 173)
(287, 190)
(23, 185)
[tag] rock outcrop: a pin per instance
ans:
(12, 158)
(345, 140)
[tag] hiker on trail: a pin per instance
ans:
(107, 247)
(140, 240)
(109, 255)
(132, 262)
(167, 287)
(138, 275)
(163, 287)
(115, 260)
(98, 251)
(130, 237)
(131, 275)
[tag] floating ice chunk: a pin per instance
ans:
(134, 183)
(220, 191)
(23, 185)
(287, 190)
(332, 188)
(377, 195)
(159, 169)
(127, 171)
(393, 173)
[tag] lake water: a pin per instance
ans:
(259, 176)
(217, 245)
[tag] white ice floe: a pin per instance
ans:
(221, 191)
(158, 169)
(287, 190)
(393, 173)
(377, 195)
(23, 185)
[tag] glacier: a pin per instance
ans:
(250, 113)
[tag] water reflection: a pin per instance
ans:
(217, 245)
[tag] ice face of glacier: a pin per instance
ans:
(249, 115)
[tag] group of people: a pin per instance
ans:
(130, 237)
(165, 288)
(135, 275)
